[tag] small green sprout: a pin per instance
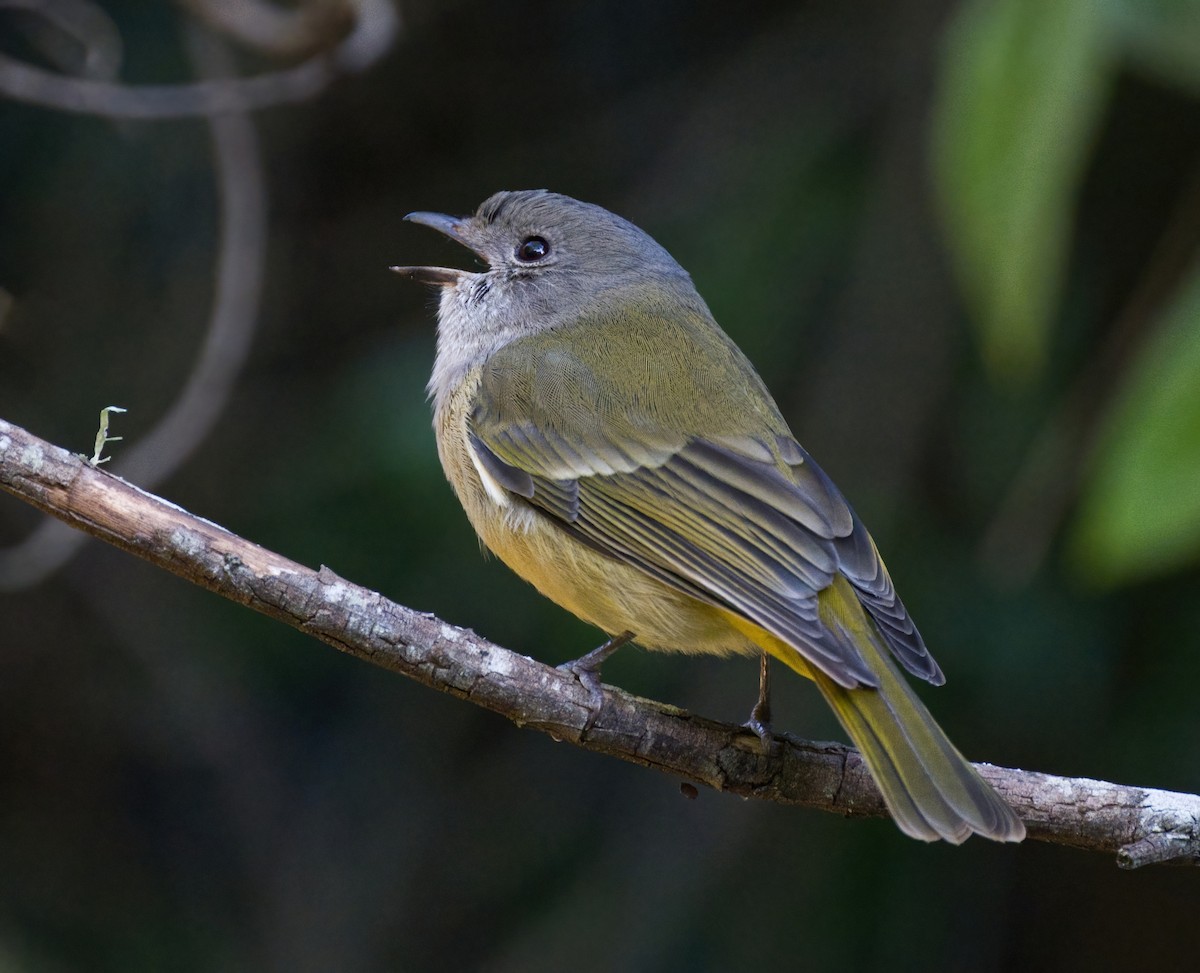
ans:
(103, 437)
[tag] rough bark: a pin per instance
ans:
(1139, 825)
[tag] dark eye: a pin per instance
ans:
(533, 249)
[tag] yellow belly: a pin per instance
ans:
(612, 596)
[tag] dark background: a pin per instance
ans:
(185, 785)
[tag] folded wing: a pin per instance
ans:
(751, 525)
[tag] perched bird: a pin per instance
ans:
(612, 445)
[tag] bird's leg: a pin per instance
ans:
(760, 716)
(587, 670)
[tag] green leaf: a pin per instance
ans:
(1140, 512)
(1022, 89)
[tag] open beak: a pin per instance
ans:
(452, 226)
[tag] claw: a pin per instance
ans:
(587, 670)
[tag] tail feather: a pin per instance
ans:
(930, 788)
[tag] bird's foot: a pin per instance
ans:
(760, 717)
(587, 670)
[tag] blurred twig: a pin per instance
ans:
(375, 23)
(1139, 825)
(302, 29)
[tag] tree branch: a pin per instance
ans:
(1139, 825)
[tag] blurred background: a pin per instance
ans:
(958, 238)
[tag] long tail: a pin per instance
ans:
(930, 788)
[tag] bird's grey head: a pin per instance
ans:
(550, 259)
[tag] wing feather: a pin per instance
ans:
(747, 524)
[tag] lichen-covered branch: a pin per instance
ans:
(1138, 825)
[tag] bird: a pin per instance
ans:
(614, 447)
